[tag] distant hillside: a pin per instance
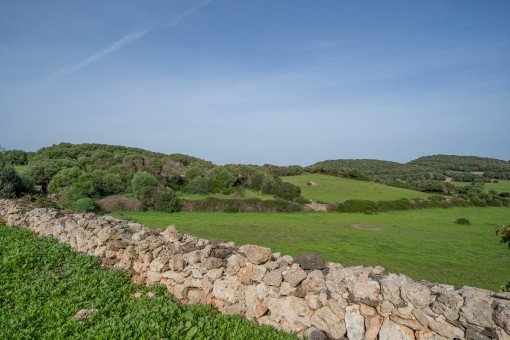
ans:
(491, 168)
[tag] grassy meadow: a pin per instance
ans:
(502, 186)
(423, 244)
(333, 189)
(247, 193)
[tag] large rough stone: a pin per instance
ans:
(390, 286)
(309, 261)
(258, 273)
(392, 331)
(502, 316)
(326, 320)
(212, 262)
(417, 294)
(295, 275)
(315, 334)
(446, 329)
(294, 310)
(257, 254)
(372, 326)
(448, 303)
(315, 282)
(254, 306)
(362, 288)
(409, 323)
(354, 322)
(171, 234)
(192, 257)
(273, 278)
(227, 288)
(478, 311)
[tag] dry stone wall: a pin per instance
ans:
(301, 295)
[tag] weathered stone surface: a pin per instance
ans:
(390, 287)
(315, 282)
(293, 309)
(309, 261)
(192, 257)
(197, 296)
(257, 254)
(295, 275)
(171, 234)
(273, 278)
(446, 329)
(364, 289)
(233, 264)
(502, 316)
(478, 311)
(174, 276)
(429, 335)
(416, 293)
(286, 289)
(244, 274)
(355, 323)
(448, 303)
(212, 262)
(227, 288)
(413, 324)
(392, 331)
(258, 273)
(326, 320)
(254, 306)
(154, 277)
(373, 324)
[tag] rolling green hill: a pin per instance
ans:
(333, 189)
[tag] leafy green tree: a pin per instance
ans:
(504, 232)
(106, 183)
(167, 201)
(72, 177)
(144, 187)
(42, 171)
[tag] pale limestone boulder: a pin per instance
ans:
(291, 310)
(362, 288)
(355, 323)
(286, 289)
(233, 264)
(227, 288)
(392, 331)
(273, 278)
(197, 296)
(257, 254)
(258, 273)
(212, 262)
(409, 323)
(502, 316)
(295, 275)
(373, 324)
(192, 257)
(417, 294)
(315, 283)
(326, 320)
(254, 306)
(171, 234)
(154, 277)
(174, 276)
(478, 310)
(214, 274)
(448, 303)
(390, 288)
(441, 327)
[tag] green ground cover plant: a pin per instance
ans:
(503, 185)
(423, 244)
(333, 189)
(44, 283)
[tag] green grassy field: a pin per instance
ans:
(247, 193)
(333, 189)
(502, 186)
(423, 244)
(44, 283)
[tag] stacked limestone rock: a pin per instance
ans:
(301, 295)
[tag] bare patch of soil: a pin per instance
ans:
(366, 227)
(448, 179)
(477, 172)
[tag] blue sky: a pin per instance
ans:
(266, 81)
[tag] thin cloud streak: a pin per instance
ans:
(131, 37)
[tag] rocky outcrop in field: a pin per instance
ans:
(302, 295)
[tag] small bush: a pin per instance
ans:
(231, 209)
(463, 221)
(83, 205)
(364, 206)
(302, 200)
(167, 201)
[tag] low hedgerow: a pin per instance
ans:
(44, 283)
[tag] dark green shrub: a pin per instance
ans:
(69, 195)
(463, 221)
(167, 201)
(144, 187)
(231, 209)
(287, 191)
(9, 181)
(219, 187)
(437, 197)
(106, 184)
(302, 200)
(83, 205)
(199, 185)
(364, 206)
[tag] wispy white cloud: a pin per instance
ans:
(131, 37)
